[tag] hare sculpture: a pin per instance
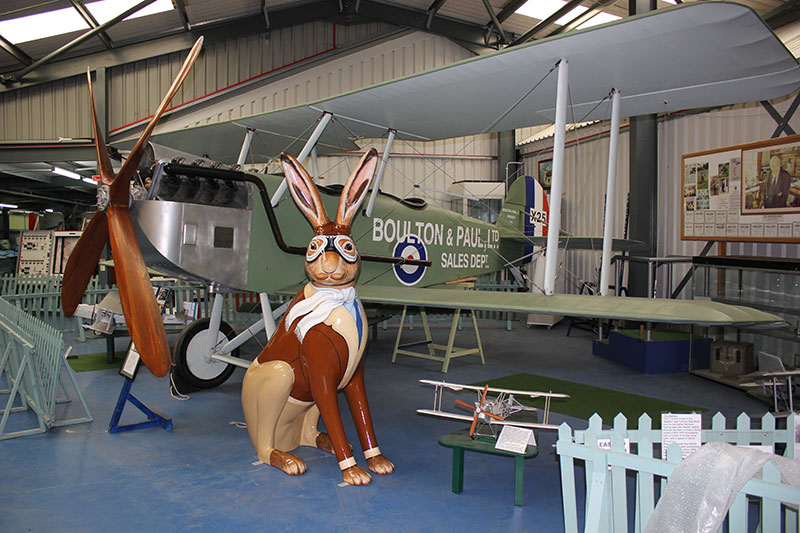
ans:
(317, 348)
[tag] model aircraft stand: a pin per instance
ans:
(32, 356)
(450, 352)
(153, 418)
(461, 442)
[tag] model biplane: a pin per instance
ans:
(201, 220)
(497, 410)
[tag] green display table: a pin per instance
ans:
(460, 442)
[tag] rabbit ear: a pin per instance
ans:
(355, 189)
(304, 191)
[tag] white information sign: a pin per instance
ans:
(515, 439)
(682, 429)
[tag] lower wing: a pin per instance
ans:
(696, 312)
(466, 418)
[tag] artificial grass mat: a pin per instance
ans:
(94, 361)
(585, 400)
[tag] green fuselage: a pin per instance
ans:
(457, 246)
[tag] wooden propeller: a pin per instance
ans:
(113, 224)
(478, 410)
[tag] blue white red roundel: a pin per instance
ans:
(410, 247)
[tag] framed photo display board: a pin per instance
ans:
(749, 192)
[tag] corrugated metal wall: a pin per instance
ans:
(50, 111)
(585, 170)
(61, 109)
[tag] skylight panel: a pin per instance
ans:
(541, 9)
(61, 21)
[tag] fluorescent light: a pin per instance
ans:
(541, 9)
(66, 173)
(90, 180)
(48, 210)
(60, 21)
(9, 206)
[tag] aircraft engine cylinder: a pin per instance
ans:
(208, 190)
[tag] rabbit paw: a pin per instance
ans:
(291, 464)
(380, 465)
(324, 443)
(355, 475)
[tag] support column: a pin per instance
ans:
(643, 182)
(506, 153)
(557, 183)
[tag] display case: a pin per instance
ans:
(771, 285)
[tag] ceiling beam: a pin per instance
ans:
(460, 31)
(55, 199)
(496, 23)
(583, 17)
(432, 10)
(36, 152)
(179, 41)
(15, 51)
(72, 44)
(92, 22)
(543, 25)
(294, 14)
(509, 9)
(181, 7)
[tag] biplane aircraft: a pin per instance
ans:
(497, 410)
(206, 221)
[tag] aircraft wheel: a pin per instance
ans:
(191, 363)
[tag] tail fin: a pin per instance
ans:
(525, 210)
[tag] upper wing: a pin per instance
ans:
(458, 386)
(697, 312)
(693, 55)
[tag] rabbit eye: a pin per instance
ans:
(346, 248)
(315, 248)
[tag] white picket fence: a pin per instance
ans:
(609, 470)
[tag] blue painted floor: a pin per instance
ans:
(201, 475)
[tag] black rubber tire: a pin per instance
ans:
(182, 369)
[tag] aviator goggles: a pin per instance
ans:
(341, 244)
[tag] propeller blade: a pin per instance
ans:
(474, 424)
(83, 261)
(496, 417)
(464, 404)
(483, 396)
(103, 160)
(136, 293)
(119, 187)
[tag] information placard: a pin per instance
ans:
(685, 430)
(749, 192)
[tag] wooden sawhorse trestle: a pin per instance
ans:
(450, 351)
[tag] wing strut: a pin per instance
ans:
(557, 183)
(248, 138)
(376, 185)
(310, 143)
(611, 185)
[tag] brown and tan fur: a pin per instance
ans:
(291, 383)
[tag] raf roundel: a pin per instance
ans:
(410, 247)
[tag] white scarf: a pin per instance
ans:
(317, 307)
